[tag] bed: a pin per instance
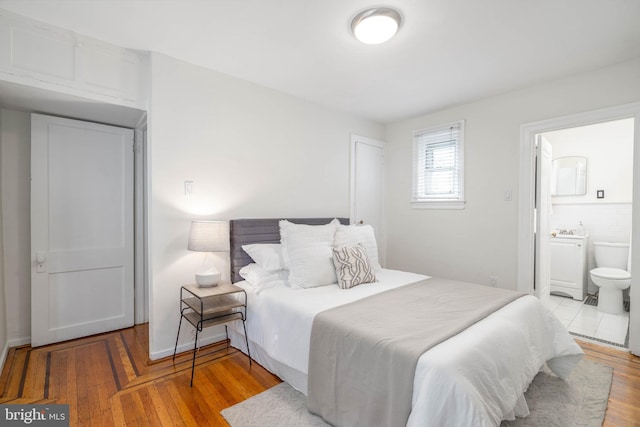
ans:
(476, 377)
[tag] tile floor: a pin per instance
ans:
(587, 320)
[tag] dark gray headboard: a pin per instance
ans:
(267, 230)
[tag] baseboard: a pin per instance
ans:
(17, 342)
(187, 346)
(3, 356)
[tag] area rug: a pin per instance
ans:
(579, 401)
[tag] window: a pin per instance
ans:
(438, 167)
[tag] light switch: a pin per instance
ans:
(507, 195)
(188, 187)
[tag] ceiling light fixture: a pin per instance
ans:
(377, 25)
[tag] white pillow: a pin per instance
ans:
(284, 224)
(266, 255)
(351, 235)
(261, 279)
(310, 253)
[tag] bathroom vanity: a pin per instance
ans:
(569, 265)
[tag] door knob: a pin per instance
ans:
(40, 260)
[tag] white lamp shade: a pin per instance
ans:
(209, 236)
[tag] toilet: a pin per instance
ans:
(612, 275)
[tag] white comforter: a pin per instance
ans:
(476, 378)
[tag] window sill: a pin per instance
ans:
(439, 204)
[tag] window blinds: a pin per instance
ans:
(438, 165)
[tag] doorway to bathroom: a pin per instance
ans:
(531, 241)
(589, 213)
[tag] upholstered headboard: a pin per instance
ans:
(265, 230)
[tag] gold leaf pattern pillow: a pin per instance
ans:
(352, 266)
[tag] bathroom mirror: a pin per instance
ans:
(569, 176)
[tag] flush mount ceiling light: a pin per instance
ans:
(377, 25)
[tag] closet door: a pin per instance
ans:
(367, 186)
(81, 229)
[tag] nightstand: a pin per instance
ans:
(217, 305)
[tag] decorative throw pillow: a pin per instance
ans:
(352, 266)
(351, 235)
(308, 249)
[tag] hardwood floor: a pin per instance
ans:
(624, 400)
(108, 381)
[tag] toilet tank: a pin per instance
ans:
(613, 255)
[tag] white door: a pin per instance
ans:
(367, 186)
(81, 229)
(543, 211)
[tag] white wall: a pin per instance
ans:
(604, 222)
(608, 148)
(251, 151)
(15, 145)
(481, 240)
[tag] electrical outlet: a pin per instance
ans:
(493, 280)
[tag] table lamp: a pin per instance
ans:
(208, 236)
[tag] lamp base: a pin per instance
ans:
(207, 279)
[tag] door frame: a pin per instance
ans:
(526, 205)
(381, 233)
(140, 262)
(542, 247)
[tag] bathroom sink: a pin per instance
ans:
(568, 236)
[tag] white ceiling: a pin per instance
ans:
(446, 52)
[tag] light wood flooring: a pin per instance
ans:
(108, 381)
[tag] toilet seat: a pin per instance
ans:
(611, 273)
